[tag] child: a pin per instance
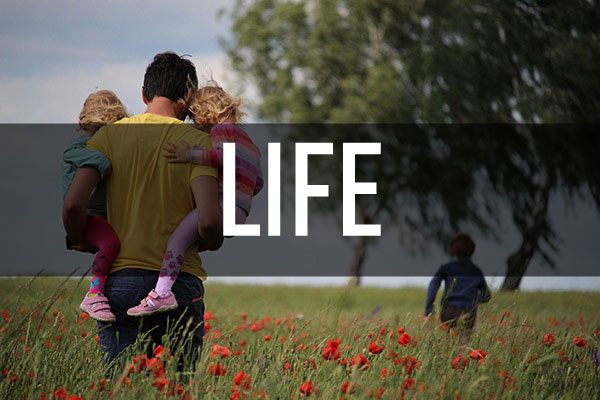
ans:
(213, 111)
(464, 285)
(100, 108)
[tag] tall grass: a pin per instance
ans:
(277, 335)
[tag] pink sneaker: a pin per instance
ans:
(154, 303)
(97, 308)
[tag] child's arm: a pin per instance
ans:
(84, 157)
(484, 292)
(210, 157)
(183, 153)
(432, 290)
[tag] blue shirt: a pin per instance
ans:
(76, 155)
(464, 285)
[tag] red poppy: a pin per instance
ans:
(216, 369)
(331, 350)
(235, 394)
(408, 384)
(400, 331)
(160, 382)
(218, 350)
(459, 362)
(208, 315)
(383, 373)
(477, 354)
(306, 388)
(374, 348)
(267, 337)
(60, 394)
(404, 339)
(242, 380)
(348, 387)
(158, 351)
(579, 341)
(359, 361)
(549, 339)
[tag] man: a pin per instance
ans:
(146, 199)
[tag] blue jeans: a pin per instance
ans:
(126, 288)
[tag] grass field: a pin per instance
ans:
(292, 342)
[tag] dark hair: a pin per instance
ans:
(462, 246)
(169, 75)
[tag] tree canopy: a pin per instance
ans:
(520, 63)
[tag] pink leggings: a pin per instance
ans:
(184, 236)
(100, 234)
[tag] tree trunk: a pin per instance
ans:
(517, 263)
(358, 259)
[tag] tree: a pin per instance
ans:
(458, 61)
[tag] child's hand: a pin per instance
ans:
(177, 153)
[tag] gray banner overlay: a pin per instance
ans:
(432, 181)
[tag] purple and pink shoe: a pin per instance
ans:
(153, 303)
(97, 308)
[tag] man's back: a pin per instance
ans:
(146, 196)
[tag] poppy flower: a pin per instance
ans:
(306, 388)
(160, 382)
(331, 350)
(404, 339)
(359, 361)
(158, 351)
(459, 362)
(221, 351)
(579, 341)
(60, 394)
(242, 380)
(208, 315)
(348, 387)
(549, 339)
(408, 384)
(374, 348)
(477, 354)
(216, 369)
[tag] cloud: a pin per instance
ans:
(58, 97)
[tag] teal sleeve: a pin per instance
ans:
(80, 157)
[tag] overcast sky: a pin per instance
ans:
(54, 53)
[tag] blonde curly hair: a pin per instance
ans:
(211, 105)
(101, 108)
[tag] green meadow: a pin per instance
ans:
(276, 342)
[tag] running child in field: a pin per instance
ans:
(214, 111)
(464, 286)
(100, 108)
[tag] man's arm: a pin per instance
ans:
(210, 220)
(75, 204)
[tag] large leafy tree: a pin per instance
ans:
(457, 61)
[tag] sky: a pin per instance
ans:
(54, 53)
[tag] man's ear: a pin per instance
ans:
(144, 99)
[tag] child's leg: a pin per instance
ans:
(240, 216)
(100, 234)
(185, 234)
